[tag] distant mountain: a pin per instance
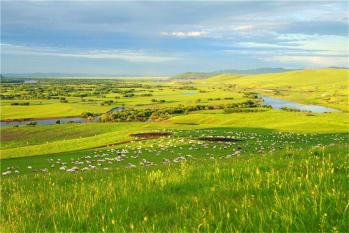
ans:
(50, 75)
(184, 76)
(204, 75)
(258, 71)
(338, 67)
(194, 75)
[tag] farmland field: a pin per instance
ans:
(180, 155)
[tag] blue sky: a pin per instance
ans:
(168, 37)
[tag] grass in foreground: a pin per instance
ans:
(290, 190)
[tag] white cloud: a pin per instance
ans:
(312, 61)
(298, 50)
(258, 45)
(309, 44)
(185, 34)
(126, 55)
(244, 27)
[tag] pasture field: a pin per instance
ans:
(289, 190)
(328, 87)
(26, 141)
(181, 155)
(49, 98)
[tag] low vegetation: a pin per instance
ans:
(194, 153)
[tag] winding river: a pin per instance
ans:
(56, 120)
(274, 102)
(281, 103)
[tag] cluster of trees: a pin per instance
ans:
(235, 110)
(292, 109)
(107, 102)
(128, 95)
(127, 115)
(57, 89)
(165, 113)
(10, 96)
(158, 101)
(63, 100)
(146, 94)
(225, 98)
(251, 95)
(88, 115)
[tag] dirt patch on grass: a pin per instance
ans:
(219, 139)
(113, 144)
(151, 134)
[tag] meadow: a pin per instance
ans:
(328, 86)
(182, 155)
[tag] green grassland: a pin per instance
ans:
(292, 190)
(59, 138)
(328, 87)
(47, 109)
(263, 171)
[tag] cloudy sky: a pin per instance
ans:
(163, 38)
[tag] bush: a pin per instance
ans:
(88, 115)
(21, 103)
(129, 95)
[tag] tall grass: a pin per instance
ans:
(299, 191)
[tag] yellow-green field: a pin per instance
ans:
(201, 155)
(328, 87)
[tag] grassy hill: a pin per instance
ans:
(328, 87)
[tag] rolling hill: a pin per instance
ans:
(328, 86)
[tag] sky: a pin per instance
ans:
(168, 37)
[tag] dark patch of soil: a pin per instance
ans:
(150, 134)
(219, 139)
(114, 144)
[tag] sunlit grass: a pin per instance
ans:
(328, 87)
(294, 190)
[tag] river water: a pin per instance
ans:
(280, 103)
(274, 102)
(52, 121)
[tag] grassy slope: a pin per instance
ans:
(279, 120)
(24, 136)
(327, 87)
(296, 191)
(300, 189)
(221, 78)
